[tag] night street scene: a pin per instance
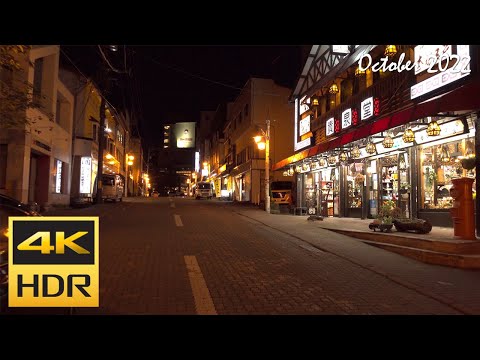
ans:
(239, 180)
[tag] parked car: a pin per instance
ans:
(32, 208)
(7, 210)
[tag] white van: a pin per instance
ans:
(113, 187)
(204, 189)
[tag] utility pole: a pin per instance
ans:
(267, 168)
(101, 145)
(101, 135)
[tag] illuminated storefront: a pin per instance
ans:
(385, 137)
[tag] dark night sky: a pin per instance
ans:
(174, 83)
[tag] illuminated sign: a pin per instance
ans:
(366, 108)
(329, 126)
(58, 178)
(197, 161)
(435, 82)
(398, 143)
(222, 169)
(346, 118)
(427, 55)
(447, 129)
(85, 174)
(304, 105)
(306, 142)
(305, 125)
(185, 135)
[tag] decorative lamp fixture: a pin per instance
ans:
(333, 89)
(433, 129)
(469, 149)
(343, 156)
(291, 171)
(387, 142)
(408, 136)
(370, 148)
(445, 156)
(355, 153)
(390, 50)
(332, 159)
(323, 162)
(314, 101)
(298, 168)
(285, 173)
(359, 72)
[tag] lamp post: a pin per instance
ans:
(130, 159)
(261, 146)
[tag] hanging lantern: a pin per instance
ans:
(298, 168)
(355, 153)
(333, 89)
(343, 156)
(387, 142)
(359, 72)
(433, 129)
(285, 173)
(370, 148)
(332, 160)
(408, 136)
(291, 171)
(390, 50)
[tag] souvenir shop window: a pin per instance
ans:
(439, 165)
(355, 182)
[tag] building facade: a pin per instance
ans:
(384, 124)
(35, 163)
(241, 170)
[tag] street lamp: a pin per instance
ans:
(263, 143)
(130, 159)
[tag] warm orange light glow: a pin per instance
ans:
(131, 157)
(261, 145)
(130, 163)
(109, 156)
(111, 162)
(257, 138)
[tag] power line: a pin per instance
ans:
(204, 78)
(108, 62)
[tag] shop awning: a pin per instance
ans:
(464, 98)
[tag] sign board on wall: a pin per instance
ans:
(424, 55)
(305, 125)
(185, 135)
(197, 161)
(85, 174)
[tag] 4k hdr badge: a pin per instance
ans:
(53, 262)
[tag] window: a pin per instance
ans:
(3, 165)
(439, 164)
(95, 132)
(119, 137)
(37, 78)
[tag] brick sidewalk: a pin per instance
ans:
(456, 287)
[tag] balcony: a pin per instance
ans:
(393, 92)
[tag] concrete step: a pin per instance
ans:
(464, 261)
(453, 246)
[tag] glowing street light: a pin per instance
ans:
(263, 143)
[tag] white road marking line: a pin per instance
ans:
(172, 204)
(203, 301)
(178, 221)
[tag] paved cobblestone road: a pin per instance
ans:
(185, 256)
